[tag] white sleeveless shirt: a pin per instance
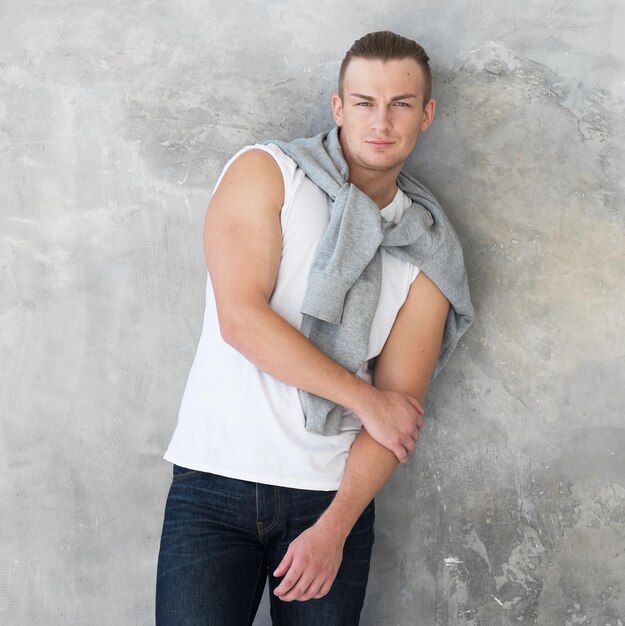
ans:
(239, 422)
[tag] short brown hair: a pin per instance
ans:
(385, 45)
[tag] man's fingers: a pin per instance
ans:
(299, 591)
(309, 587)
(283, 568)
(288, 582)
(325, 588)
(400, 452)
(410, 446)
(415, 403)
(313, 590)
(404, 449)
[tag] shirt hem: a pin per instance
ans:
(255, 477)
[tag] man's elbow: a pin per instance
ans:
(232, 329)
(239, 327)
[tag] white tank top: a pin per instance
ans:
(239, 422)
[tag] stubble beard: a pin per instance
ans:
(374, 165)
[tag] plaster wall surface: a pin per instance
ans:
(115, 120)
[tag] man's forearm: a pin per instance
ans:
(266, 339)
(280, 350)
(277, 348)
(315, 556)
(368, 468)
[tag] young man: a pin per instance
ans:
(286, 433)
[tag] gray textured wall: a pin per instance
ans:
(115, 119)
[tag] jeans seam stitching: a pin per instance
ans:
(276, 510)
(259, 523)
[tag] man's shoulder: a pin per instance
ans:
(251, 163)
(265, 159)
(251, 174)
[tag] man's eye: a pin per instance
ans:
(363, 104)
(399, 103)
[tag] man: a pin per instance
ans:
(267, 484)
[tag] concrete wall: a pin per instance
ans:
(115, 119)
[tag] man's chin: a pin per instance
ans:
(382, 162)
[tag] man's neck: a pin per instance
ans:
(381, 187)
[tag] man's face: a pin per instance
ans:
(381, 112)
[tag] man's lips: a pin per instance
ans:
(379, 142)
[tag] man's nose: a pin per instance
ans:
(382, 119)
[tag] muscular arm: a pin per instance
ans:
(242, 241)
(405, 365)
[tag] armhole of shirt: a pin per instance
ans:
(414, 272)
(287, 169)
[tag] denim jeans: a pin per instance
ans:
(222, 538)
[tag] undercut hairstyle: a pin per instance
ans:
(385, 45)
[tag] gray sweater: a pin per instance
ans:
(345, 277)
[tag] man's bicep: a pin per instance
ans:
(412, 348)
(242, 235)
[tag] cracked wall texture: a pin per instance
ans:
(115, 120)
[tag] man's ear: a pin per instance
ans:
(428, 114)
(337, 110)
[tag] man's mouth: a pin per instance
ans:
(380, 143)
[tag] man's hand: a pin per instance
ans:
(394, 420)
(310, 564)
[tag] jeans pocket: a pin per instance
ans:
(181, 473)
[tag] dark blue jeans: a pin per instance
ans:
(223, 537)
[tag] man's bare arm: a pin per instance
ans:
(243, 243)
(405, 365)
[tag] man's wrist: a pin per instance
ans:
(337, 522)
(334, 528)
(364, 395)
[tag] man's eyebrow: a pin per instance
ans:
(361, 96)
(403, 96)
